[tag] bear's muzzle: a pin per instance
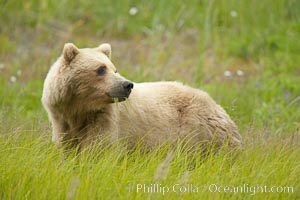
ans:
(121, 92)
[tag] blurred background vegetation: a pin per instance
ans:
(244, 53)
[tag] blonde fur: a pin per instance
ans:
(81, 112)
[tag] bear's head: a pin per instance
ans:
(85, 78)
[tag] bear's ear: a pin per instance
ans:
(70, 51)
(106, 49)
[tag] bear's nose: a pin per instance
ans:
(127, 87)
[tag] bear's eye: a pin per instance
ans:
(101, 71)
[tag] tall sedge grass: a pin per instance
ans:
(31, 167)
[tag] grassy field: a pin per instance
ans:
(244, 53)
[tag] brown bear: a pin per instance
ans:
(86, 99)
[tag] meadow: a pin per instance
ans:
(245, 54)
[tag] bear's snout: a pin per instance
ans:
(121, 90)
(127, 87)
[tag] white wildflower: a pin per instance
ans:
(13, 79)
(133, 11)
(240, 73)
(227, 73)
(1, 66)
(233, 13)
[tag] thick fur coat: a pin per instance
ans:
(87, 99)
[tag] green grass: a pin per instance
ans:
(194, 42)
(32, 168)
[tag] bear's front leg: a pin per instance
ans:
(59, 129)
